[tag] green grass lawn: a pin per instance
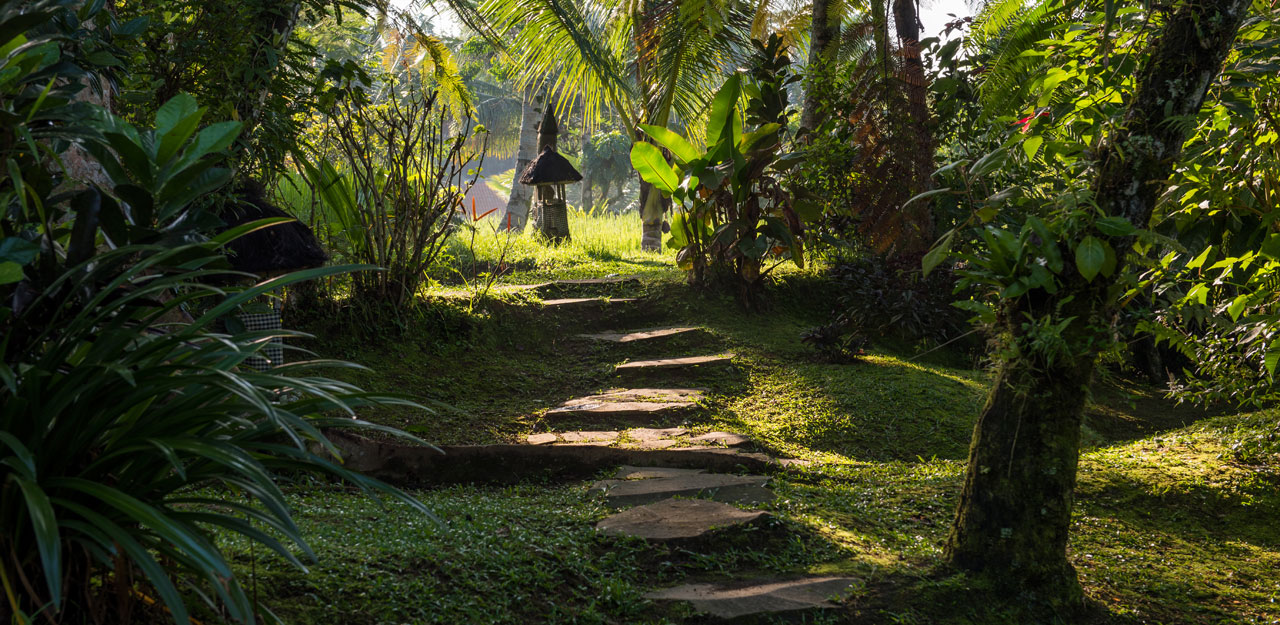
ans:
(1173, 524)
(600, 244)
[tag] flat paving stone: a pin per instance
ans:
(716, 486)
(674, 363)
(643, 394)
(650, 434)
(542, 439)
(506, 463)
(728, 439)
(638, 412)
(594, 281)
(760, 598)
(660, 443)
(581, 302)
(627, 472)
(639, 335)
(677, 519)
(589, 437)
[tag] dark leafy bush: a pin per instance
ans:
(130, 433)
(891, 298)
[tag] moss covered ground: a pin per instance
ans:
(1174, 524)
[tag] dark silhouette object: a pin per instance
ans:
(276, 249)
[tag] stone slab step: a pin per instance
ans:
(569, 303)
(728, 439)
(627, 472)
(761, 597)
(672, 520)
(640, 438)
(593, 281)
(640, 335)
(638, 412)
(674, 363)
(716, 486)
(644, 394)
(419, 465)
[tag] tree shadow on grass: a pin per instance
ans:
(1180, 549)
(878, 410)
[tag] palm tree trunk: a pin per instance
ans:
(587, 201)
(907, 23)
(651, 210)
(1012, 522)
(517, 211)
(825, 31)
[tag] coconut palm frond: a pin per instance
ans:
(1007, 75)
(435, 63)
(564, 45)
(498, 109)
(693, 52)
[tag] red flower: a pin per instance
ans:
(1025, 122)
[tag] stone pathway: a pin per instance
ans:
(681, 506)
(675, 486)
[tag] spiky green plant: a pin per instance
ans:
(130, 432)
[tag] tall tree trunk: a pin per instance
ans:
(587, 200)
(1015, 509)
(651, 211)
(517, 211)
(825, 30)
(907, 24)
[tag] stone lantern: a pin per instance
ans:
(548, 173)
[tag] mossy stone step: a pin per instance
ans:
(640, 335)
(677, 520)
(573, 303)
(417, 465)
(591, 281)
(723, 487)
(641, 438)
(635, 412)
(674, 363)
(755, 598)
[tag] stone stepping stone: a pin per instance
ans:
(508, 463)
(717, 486)
(589, 437)
(653, 434)
(763, 597)
(728, 439)
(584, 302)
(643, 335)
(639, 412)
(594, 281)
(627, 472)
(674, 363)
(677, 520)
(644, 394)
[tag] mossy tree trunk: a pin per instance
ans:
(824, 41)
(1015, 508)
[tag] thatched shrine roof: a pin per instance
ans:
(550, 168)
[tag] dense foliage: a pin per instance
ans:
(130, 427)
